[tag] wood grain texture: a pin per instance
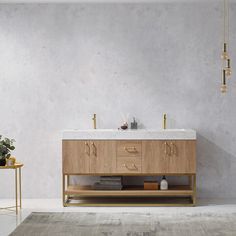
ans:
(153, 158)
(169, 156)
(183, 157)
(137, 191)
(127, 148)
(129, 164)
(103, 157)
(76, 156)
(127, 157)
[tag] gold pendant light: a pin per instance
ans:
(228, 70)
(223, 83)
(226, 65)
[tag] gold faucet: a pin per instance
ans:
(164, 121)
(94, 121)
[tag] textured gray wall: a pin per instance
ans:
(61, 63)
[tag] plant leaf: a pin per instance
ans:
(8, 155)
(12, 148)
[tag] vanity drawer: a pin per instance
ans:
(129, 165)
(129, 148)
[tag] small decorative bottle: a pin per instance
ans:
(164, 183)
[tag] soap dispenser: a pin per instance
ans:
(164, 183)
(134, 124)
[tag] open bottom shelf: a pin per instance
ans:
(132, 191)
(179, 195)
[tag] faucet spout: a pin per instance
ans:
(94, 121)
(164, 120)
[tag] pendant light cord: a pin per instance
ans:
(226, 22)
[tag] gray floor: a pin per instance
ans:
(9, 221)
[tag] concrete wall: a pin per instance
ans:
(60, 63)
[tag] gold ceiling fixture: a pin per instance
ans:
(226, 63)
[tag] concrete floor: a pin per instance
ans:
(9, 221)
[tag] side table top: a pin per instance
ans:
(17, 165)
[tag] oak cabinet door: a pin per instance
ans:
(169, 157)
(153, 156)
(182, 157)
(103, 157)
(75, 156)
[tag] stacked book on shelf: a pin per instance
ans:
(109, 183)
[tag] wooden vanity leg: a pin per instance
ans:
(63, 190)
(68, 180)
(194, 189)
(190, 181)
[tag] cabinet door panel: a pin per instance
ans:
(183, 157)
(153, 158)
(75, 156)
(103, 157)
(169, 157)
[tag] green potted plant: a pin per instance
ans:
(6, 146)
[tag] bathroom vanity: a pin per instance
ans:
(130, 153)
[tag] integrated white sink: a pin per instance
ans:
(139, 134)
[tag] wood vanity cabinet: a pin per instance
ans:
(130, 158)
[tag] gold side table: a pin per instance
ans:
(16, 167)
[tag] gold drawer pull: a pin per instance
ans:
(87, 148)
(132, 167)
(131, 149)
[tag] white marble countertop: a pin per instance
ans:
(140, 134)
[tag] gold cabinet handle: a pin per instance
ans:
(130, 149)
(167, 149)
(132, 167)
(174, 150)
(87, 148)
(171, 148)
(94, 149)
